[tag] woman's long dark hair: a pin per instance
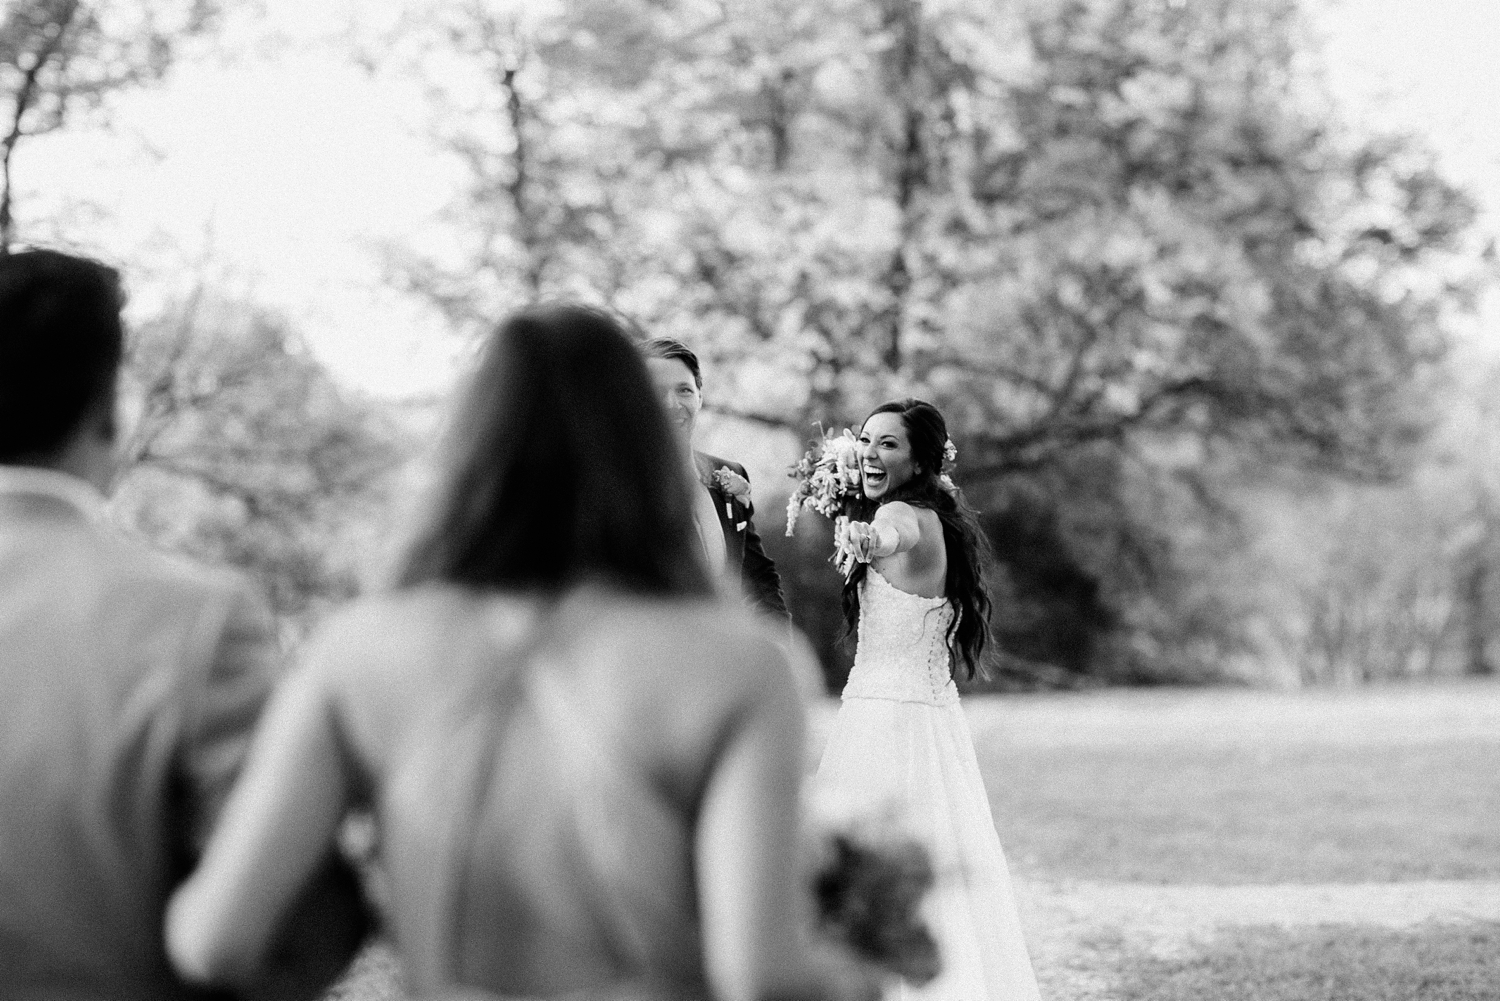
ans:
(561, 469)
(968, 550)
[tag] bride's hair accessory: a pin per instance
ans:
(950, 456)
(825, 476)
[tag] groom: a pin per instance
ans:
(721, 500)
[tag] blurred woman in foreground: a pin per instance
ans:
(583, 767)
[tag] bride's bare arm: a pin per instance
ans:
(894, 529)
(277, 829)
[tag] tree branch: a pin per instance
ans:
(1043, 441)
(911, 171)
(765, 420)
(216, 482)
(63, 19)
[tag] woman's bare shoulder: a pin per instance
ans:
(929, 523)
(676, 677)
(692, 643)
(900, 513)
(896, 509)
(388, 664)
(926, 515)
(397, 631)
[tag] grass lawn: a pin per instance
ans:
(1227, 789)
(1428, 963)
(1175, 813)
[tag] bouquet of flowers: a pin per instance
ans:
(868, 893)
(825, 476)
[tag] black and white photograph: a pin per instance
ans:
(749, 500)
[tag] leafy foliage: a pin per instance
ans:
(1124, 214)
(244, 451)
(1115, 241)
(58, 57)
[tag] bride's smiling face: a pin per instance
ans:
(885, 460)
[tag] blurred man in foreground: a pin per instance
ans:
(129, 681)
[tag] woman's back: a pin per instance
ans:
(599, 790)
(539, 776)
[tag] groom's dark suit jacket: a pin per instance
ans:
(742, 547)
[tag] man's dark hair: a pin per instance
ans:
(666, 347)
(60, 346)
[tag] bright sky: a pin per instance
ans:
(288, 166)
(1431, 67)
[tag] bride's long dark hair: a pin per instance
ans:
(561, 469)
(968, 550)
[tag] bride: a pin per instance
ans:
(900, 747)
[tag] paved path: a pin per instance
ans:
(1075, 929)
(1395, 715)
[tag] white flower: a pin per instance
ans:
(826, 476)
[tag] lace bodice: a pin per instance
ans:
(903, 646)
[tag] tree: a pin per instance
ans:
(539, 213)
(244, 451)
(1402, 579)
(1123, 244)
(62, 57)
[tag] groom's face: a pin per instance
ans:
(678, 392)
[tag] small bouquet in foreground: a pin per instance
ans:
(868, 894)
(826, 476)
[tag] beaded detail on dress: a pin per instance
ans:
(903, 646)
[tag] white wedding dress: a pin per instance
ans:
(900, 752)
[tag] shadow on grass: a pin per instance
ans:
(1434, 962)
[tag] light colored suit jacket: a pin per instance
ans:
(129, 683)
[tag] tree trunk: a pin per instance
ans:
(22, 101)
(520, 181)
(904, 19)
(1477, 619)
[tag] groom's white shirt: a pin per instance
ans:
(706, 519)
(709, 532)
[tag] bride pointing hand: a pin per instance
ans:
(911, 555)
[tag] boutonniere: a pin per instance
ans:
(733, 484)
